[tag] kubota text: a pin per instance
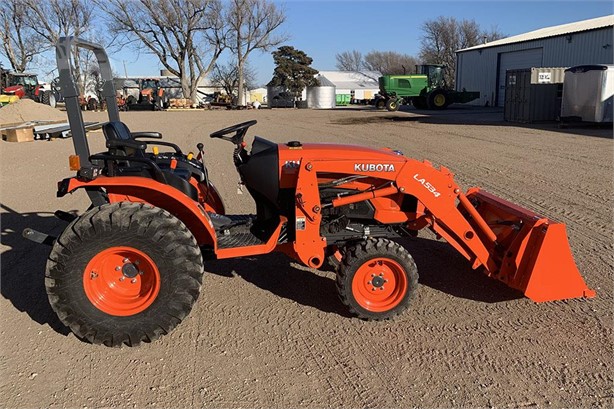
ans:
(373, 167)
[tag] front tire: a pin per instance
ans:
(392, 105)
(48, 98)
(438, 100)
(124, 273)
(377, 279)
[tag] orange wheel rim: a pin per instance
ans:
(121, 281)
(379, 284)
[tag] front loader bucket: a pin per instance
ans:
(532, 252)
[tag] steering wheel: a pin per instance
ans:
(239, 129)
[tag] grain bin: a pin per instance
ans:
(321, 97)
(587, 93)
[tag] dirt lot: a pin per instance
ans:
(267, 332)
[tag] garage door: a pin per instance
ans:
(515, 60)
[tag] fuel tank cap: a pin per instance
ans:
(294, 144)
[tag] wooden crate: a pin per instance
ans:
(180, 103)
(18, 134)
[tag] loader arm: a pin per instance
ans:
(442, 197)
(526, 251)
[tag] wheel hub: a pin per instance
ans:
(129, 270)
(377, 281)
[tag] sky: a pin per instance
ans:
(324, 28)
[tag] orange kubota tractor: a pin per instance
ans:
(129, 269)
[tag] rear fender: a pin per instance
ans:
(139, 189)
(209, 196)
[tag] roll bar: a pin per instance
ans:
(63, 50)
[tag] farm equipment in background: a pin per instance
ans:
(151, 96)
(425, 90)
(130, 268)
(219, 99)
(23, 85)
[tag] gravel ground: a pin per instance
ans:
(267, 332)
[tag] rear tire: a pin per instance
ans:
(377, 279)
(380, 103)
(124, 273)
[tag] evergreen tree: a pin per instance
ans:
(292, 70)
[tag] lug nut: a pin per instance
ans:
(121, 278)
(133, 280)
(381, 274)
(373, 289)
(382, 288)
(126, 260)
(372, 275)
(140, 273)
(137, 262)
(385, 281)
(117, 268)
(369, 282)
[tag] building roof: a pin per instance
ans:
(349, 79)
(584, 25)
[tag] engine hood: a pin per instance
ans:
(325, 151)
(13, 89)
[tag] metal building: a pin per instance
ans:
(483, 67)
(354, 85)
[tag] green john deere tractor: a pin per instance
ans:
(425, 90)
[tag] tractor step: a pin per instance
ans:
(227, 241)
(244, 233)
(237, 231)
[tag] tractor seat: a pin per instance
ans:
(178, 177)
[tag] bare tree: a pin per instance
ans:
(251, 26)
(491, 34)
(52, 19)
(226, 76)
(443, 36)
(390, 62)
(469, 34)
(384, 62)
(187, 36)
(20, 44)
(349, 61)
